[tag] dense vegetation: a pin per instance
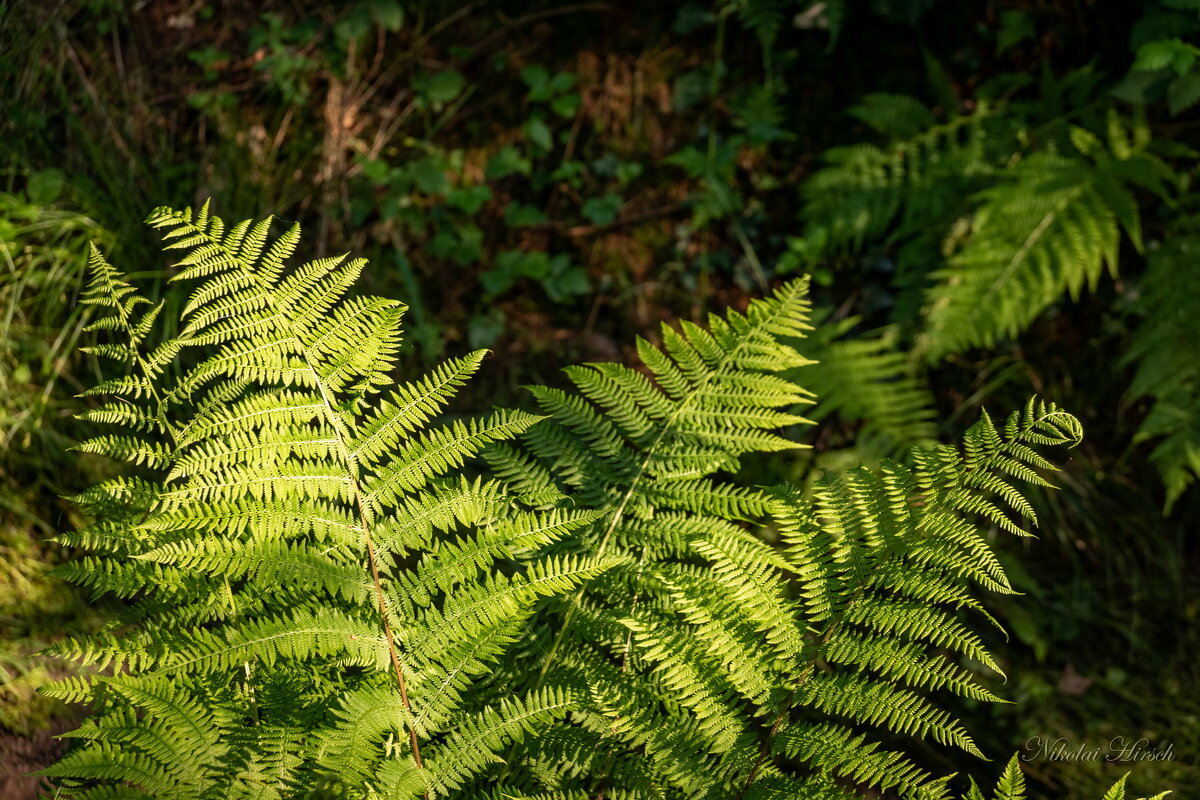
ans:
(323, 603)
(993, 200)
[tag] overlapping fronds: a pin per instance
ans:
(975, 213)
(979, 224)
(314, 586)
(698, 651)
(884, 564)
(324, 601)
(701, 652)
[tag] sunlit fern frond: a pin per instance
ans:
(884, 565)
(1049, 227)
(300, 542)
(649, 453)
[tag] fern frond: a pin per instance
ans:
(1049, 228)
(268, 554)
(1164, 350)
(883, 562)
(866, 377)
(916, 181)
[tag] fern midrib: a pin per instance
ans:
(389, 479)
(448, 681)
(214, 653)
(611, 755)
(226, 454)
(395, 417)
(1031, 240)
(512, 589)
(251, 481)
(352, 472)
(618, 514)
(507, 721)
(252, 414)
(496, 545)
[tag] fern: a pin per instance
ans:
(1013, 227)
(914, 186)
(326, 600)
(867, 377)
(980, 223)
(1050, 227)
(300, 547)
(644, 454)
(883, 561)
(1164, 348)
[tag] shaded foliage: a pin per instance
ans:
(994, 201)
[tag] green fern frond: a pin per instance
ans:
(1164, 350)
(1051, 227)
(268, 550)
(643, 453)
(867, 378)
(477, 738)
(883, 562)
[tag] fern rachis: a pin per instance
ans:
(280, 479)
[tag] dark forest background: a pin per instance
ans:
(550, 180)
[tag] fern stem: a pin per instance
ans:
(608, 532)
(352, 473)
(392, 653)
(765, 745)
